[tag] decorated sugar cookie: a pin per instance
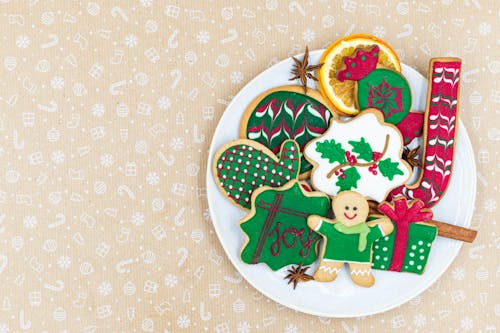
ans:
(348, 239)
(380, 88)
(342, 93)
(440, 131)
(284, 113)
(242, 165)
(411, 126)
(362, 154)
(276, 227)
(407, 249)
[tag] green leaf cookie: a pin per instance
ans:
(277, 230)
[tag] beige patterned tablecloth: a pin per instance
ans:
(106, 114)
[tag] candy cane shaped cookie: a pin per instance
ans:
(440, 128)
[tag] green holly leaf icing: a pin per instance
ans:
(283, 115)
(363, 149)
(350, 180)
(331, 151)
(389, 169)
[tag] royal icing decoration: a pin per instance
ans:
(383, 89)
(407, 249)
(277, 229)
(285, 113)
(362, 154)
(348, 238)
(411, 126)
(439, 133)
(243, 165)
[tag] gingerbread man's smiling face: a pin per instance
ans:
(350, 208)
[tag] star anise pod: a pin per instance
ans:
(411, 156)
(301, 70)
(296, 274)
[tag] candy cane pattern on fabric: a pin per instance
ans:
(440, 130)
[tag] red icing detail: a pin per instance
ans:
(402, 215)
(410, 126)
(350, 217)
(356, 68)
(306, 187)
(376, 156)
(351, 159)
(439, 131)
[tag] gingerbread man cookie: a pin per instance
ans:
(348, 238)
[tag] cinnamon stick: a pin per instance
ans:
(454, 231)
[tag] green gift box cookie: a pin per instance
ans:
(407, 248)
(418, 247)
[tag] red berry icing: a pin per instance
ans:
(376, 156)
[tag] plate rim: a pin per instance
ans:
(209, 178)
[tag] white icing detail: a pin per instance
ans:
(361, 272)
(365, 125)
(318, 226)
(329, 270)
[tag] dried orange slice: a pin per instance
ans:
(342, 94)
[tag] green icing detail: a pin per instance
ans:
(387, 91)
(331, 151)
(363, 149)
(283, 115)
(418, 247)
(348, 180)
(420, 238)
(277, 231)
(342, 245)
(389, 169)
(240, 169)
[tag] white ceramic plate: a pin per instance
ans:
(340, 298)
